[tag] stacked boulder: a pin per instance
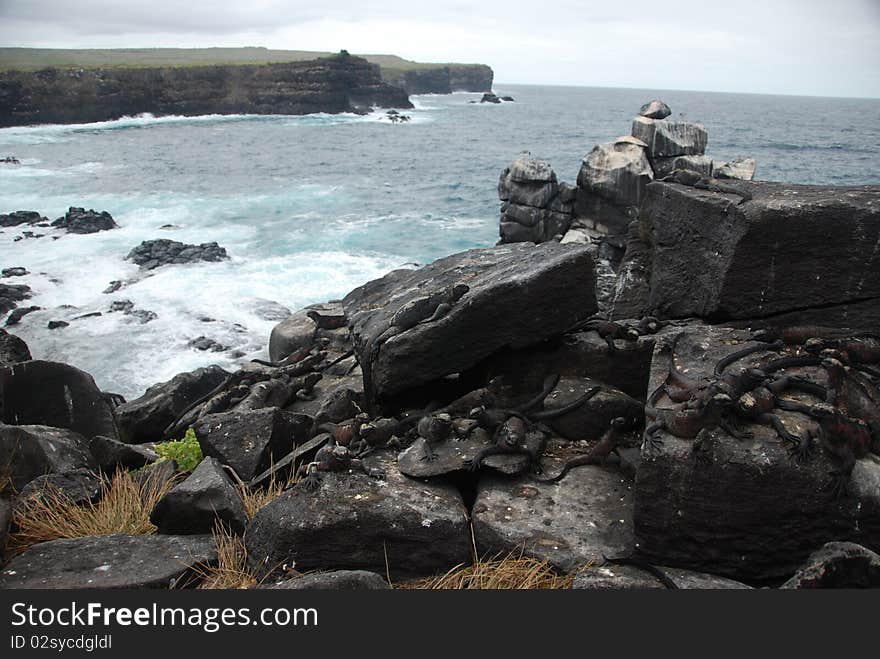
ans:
(611, 183)
(535, 207)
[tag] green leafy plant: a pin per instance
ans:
(185, 452)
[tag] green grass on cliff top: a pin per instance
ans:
(32, 59)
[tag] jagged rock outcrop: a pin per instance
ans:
(17, 218)
(340, 83)
(144, 419)
(771, 251)
(249, 441)
(617, 171)
(665, 138)
(11, 295)
(535, 207)
(152, 254)
(515, 295)
(80, 220)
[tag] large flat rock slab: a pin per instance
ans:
(744, 509)
(354, 522)
(109, 561)
(586, 515)
(785, 249)
(518, 295)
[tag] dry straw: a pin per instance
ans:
(125, 506)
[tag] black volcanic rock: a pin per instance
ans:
(14, 272)
(28, 452)
(144, 419)
(250, 441)
(12, 349)
(341, 83)
(196, 504)
(11, 295)
(81, 486)
(356, 522)
(80, 220)
(54, 394)
(111, 561)
(335, 580)
(16, 218)
(629, 577)
(586, 516)
(765, 250)
(517, 295)
(151, 254)
(838, 565)
(111, 453)
(743, 508)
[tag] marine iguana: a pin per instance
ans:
(345, 432)
(608, 330)
(695, 180)
(328, 322)
(434, 428)
(510, 439)
(686, 423)
(855, 397)
(333, 458)
(606, 445)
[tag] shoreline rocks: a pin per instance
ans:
(152, 254)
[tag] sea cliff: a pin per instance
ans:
(341, 83)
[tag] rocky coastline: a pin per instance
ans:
(334, 84)
(663, 375)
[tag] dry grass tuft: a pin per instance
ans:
(231, 570)
(511, 572)
(124, 507)
(257, 498)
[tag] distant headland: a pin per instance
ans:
(41, 85)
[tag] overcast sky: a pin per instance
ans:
(814, 47)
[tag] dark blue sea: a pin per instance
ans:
(310, 207)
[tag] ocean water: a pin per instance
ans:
(310, 207)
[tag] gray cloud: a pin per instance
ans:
(781, 46)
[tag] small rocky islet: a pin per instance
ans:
(663, 375)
